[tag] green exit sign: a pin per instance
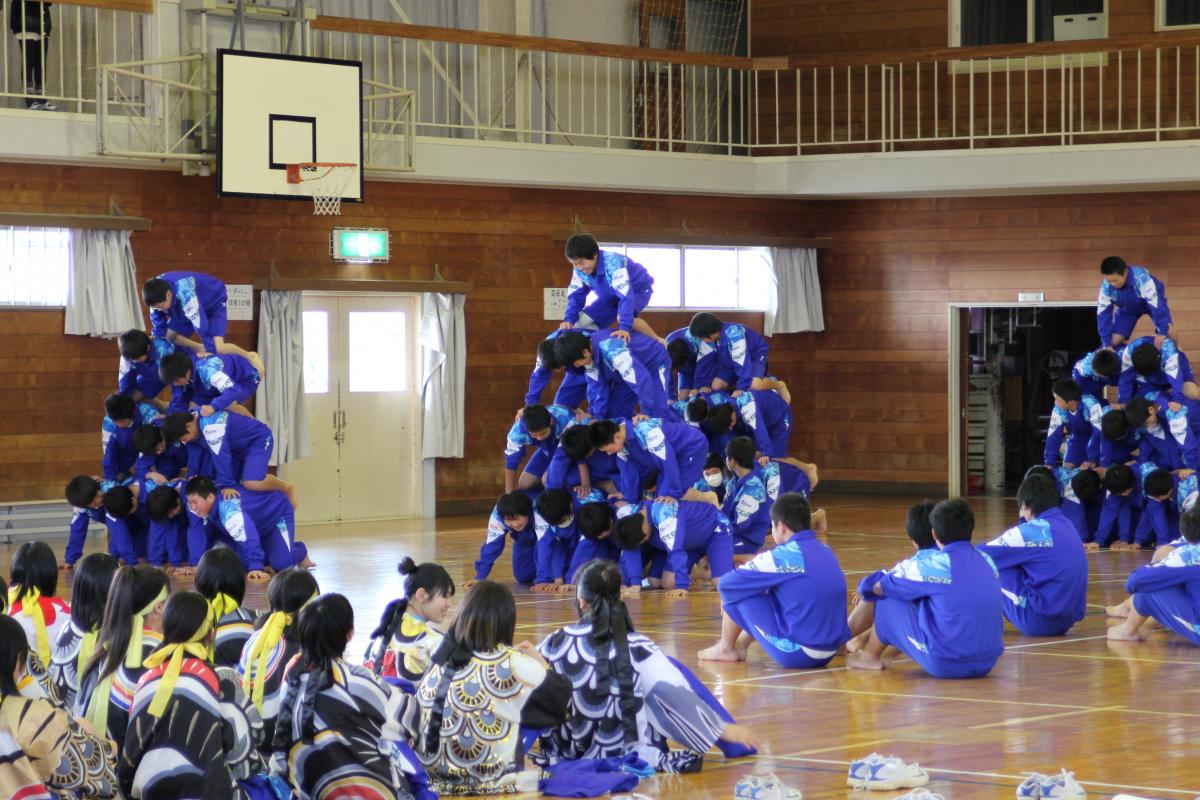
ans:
(360, 245)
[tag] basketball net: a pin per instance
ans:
(327, 182)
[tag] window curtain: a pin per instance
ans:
(1183, 12)
(280, 402)
(794, 299)
(102, 296)
(991, 22)
(443, 339)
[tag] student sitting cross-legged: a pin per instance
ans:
(1042, 563)
(944, 610)
(1167, 591)
(791, 600)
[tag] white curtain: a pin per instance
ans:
(280, 399)
(102, 299)
(794, 302)
(443, 339)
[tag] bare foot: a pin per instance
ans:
(861, 660)
(719, 653)
(1091, 546)
(1121, 610)
(257, 576)
(742, 644)
(307, 563)
(820, 524)
(1119, 633)
(185, 572)
(542, 587)
(857, 643)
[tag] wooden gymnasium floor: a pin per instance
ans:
(1123, 717)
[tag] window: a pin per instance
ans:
(983, 22)
(35, 266)
(377, 351)
(1177, 14)
(703, 277)
(316, 352)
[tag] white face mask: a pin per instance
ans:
(714, 479)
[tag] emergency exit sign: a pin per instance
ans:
(360, 245)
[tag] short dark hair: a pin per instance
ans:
(1039, 469)
(1137, 411)
(161, 501)
(487, 618)
(1085, 484)
(147, 439)
(118, 501)
(1114, 425)
(1113, 265)
(602, 432)
(34, 566)
(547, 354)
(704, 325)
(1039, 493)
(1118, 478)
(221, 571)
(792, 511)
(697, 409)
(200, 486)
(741, 450)
(81, 491)
(1145, 358)
(576, 443)
(680, 353)
(569, 347)
(118, 406)
(917, 525)
(581, 245)
(174, 366)
(952, 521)
(554, 505)
(133, 344)
(719, 419)
(514, 504)
(537, 418)
(1106, 363)
(594, 519)
(628, 531)
(714, 461)
(1067, 389)
(1189, 524)
(174, 426)
(1158, 484)
(154, 291)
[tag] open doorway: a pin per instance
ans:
(1004, 359)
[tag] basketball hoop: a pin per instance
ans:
(328, 181)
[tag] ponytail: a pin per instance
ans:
(599, 584)
(433, 578)
(323, 628)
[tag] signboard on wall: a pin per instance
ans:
(240, 304)
(554, 303)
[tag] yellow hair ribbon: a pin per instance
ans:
(254, 681)
(173, 655)
(219, 607)
(31, 608)
(87, 646)
(97, 711)
(133, 655)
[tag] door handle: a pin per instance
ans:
(343, 413)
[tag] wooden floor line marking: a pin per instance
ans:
(1042, 717)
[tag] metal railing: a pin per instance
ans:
(167, 104)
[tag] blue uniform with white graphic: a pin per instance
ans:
(781, 478)
(1159, 520)
(686, 374)
(241, 447)
(169, 463)
(571, 392)
(1083, 517)
(738, 356)
(563, 473)
(748, 507)
(675, 451)
(792, 600)
(640, 368)
(1080, 430)
(524, 560)
(1174, 370)
(1043, 574)
(681, 533)
(622, 287)
(519, 440)
(128, 536)
(1169, 591)
(80, 519)
(221, 380)
(1173, 445)
(556, 543)
(766, 418)
(259, 526)
(116, 442)
(1119, 517)
(142, 376)
(943, 609)
(197, 305)
(1118, 310)
(167, 540)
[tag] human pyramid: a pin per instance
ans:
(679, 467)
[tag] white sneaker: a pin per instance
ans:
(764, 787)
(921, 794)
(1042, 787)
(885, 773)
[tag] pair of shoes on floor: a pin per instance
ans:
(764, 787)
(1044, 787)
(885, 773)
(921, 794)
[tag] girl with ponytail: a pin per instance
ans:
(270, 648)
(44, 751)
(221, 579)
(186, 710)
(129, 632)
(485, 690)
(76, 642)
(627, 696)
(406, 638)
(337, 730)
